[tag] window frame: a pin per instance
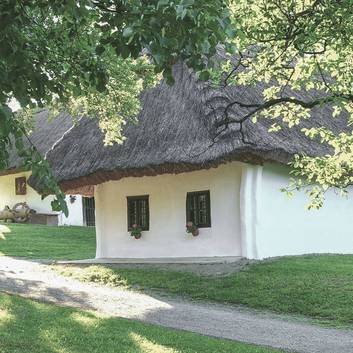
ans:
(21, 185)
(137, 198)
(191, 194)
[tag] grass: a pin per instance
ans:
(65, 330)
(45, 242)
(319, 287)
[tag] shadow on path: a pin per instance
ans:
(35, 280)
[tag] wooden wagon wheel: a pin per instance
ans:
(21, 212)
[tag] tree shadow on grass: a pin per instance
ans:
(30, 327)
(36, 290)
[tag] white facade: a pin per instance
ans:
(167, 201)
(9, 198)
(75, 217)
(286, 227)
(250, 217)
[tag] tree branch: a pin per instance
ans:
(276, 101)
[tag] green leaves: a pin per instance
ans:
(12, 135)
(162, 3)
(59, 204)
(128, 32)
(181, 12)
(204, 75)
(100, 49)
(95, 58)
(295, 47)
(205, 47)
(5, 121)
(169, 31)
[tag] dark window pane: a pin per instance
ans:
(20, 186)
(88, 211)
(138, 212)
(143, 213)
(202, 217)
(198, 208)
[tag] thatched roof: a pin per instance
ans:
(174, 134)
(45, 133)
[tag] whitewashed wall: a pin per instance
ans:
(286, 227)
(75, 217)
(9, 197)
(167, 201)
(34, 201)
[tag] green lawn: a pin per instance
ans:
(67, 330)
(44, 242)
(320, 287)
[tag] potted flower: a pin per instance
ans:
(191, 228)
(136, 231)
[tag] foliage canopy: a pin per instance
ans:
(94, 57)
(299, 45)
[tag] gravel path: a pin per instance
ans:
(36, 281)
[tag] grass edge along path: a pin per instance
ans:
(72, 330)
(318, 287)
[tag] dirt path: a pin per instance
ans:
(36, 281)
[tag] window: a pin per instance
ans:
(89, 211)
(138, 212)
(20, 186)
(198, 208)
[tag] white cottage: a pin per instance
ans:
(13, 181)
(170, 170)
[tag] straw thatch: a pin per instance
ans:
(174, 134)
(45, 133)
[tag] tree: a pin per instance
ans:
(86, 56)
(94, 57)
(298, 45)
